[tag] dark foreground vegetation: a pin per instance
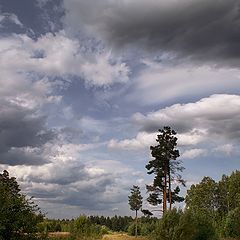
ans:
(211, 210)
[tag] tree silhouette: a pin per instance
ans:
(166, 168)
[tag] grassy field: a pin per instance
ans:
(58, 234)
(121, 237)
(115, 236)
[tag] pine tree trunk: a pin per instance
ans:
(169, 189)
(165, 191)
(136, 222)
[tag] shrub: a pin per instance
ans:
(147, 228)
(104, 230)
(166, 227)
(204, 228)
(188, 225)
(131, 229)
(83, 228)
(186, 229)
(232, 224)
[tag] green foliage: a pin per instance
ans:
(132, 229)
(147, 228)
(202, 196)
(218, 200)
(166, 228)
(233, 189)
(135, 202)
(104, 230)
(135, 199)
(178, 225)
(18, 215)
(232, 223)
(84, 229)
(116, 223)
(203, 227)
(51, 226)
(211, 196)
(222, 196)
(82, 226)
(146, 213)
(187, 226)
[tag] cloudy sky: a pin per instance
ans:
(85, 85)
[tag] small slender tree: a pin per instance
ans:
(166, 168)
(135, 202)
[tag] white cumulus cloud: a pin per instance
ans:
(59, 55)
(209, 120)
(193, 153)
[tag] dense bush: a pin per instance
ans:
(147, 228)
(202, 226)
(188, 225)
(232, 224)
(131, 229)
(166, 227)
(83, 228)
(186, 229)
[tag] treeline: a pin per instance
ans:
(220, 201)
(113, 224)
(216, 198)
(116, 223)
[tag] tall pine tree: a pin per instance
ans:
(166, 168)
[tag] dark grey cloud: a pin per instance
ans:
(40, 193)
(77, 183)
(200, 30)
(151, 126)
(21, 156)
(20, 127)
(22, 134)
(89, 193)
(60, 174)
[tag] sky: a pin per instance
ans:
(85, 86)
